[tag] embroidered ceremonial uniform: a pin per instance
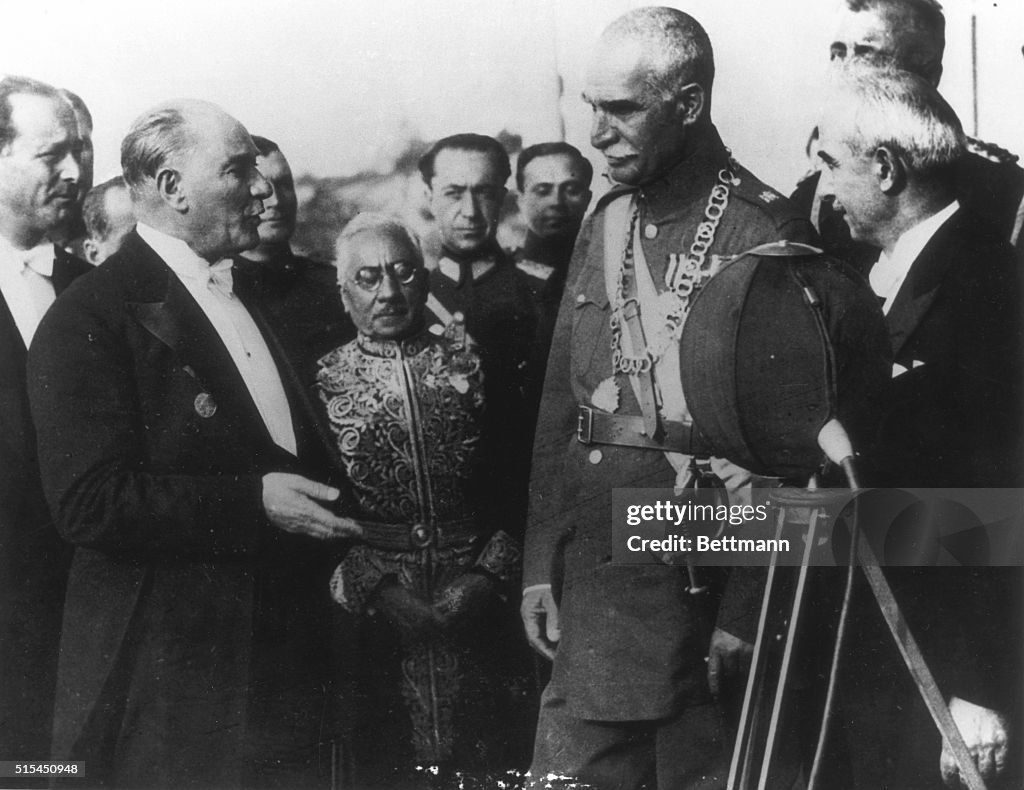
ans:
(629, 674)
(407, 420)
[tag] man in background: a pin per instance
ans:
(911, 35)
(478, 287)
(554, 191)
(298, 295)
(72, 231)
(109, 217)
(40, 179)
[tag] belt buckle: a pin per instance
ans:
(421, 536)
(584, 425)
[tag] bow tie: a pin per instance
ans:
(39, 259)
(221, 279)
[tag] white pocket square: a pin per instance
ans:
(899, 370)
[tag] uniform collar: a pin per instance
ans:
(552, 253)
(691, 178)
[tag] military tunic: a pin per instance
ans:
(633, 638)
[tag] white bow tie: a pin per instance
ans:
(221, 279)
(39, 259)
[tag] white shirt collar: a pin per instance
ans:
(175, 253)
(888, 275)
(39, 258)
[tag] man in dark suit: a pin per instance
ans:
(40, 177)
(950, 285)
(298, 295)
(911, 35)
(178, 456)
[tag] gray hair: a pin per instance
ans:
(158, 135)
(876, 107)
(383, 224)
(678, 50)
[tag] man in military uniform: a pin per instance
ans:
(298, 295)
(911, 35)
(553, 180)
(476, 283)
(636, 652)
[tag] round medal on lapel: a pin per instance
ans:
(205, 405)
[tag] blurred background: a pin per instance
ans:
(354, 91)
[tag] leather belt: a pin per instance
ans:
(389, 536)
(622, 430)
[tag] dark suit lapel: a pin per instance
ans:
(917, 294)
(172, 316)
(14, 412)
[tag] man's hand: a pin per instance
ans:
(986, 734)
(464, 600)
(538, 611)
(291, 504)
(728, 656)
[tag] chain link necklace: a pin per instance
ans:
(683, 278)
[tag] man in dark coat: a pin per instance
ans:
(300, 296)
(911, 35)
(37, 194)
(629, 704)
(890, 147)
(179, 456)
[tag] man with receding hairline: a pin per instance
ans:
(181, 457)
(911, 35)
(41, 175)
(636, 655)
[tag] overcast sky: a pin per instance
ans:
(340, 84)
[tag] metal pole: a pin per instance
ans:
(974, 70)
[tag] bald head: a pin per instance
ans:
(649, 84)
(670, 45)
(191, 169)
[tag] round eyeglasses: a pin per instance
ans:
(369, 278)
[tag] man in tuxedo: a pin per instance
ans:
(911, 35)
(299, 296)
(180, 457)
(40, 178)
(950, 285)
